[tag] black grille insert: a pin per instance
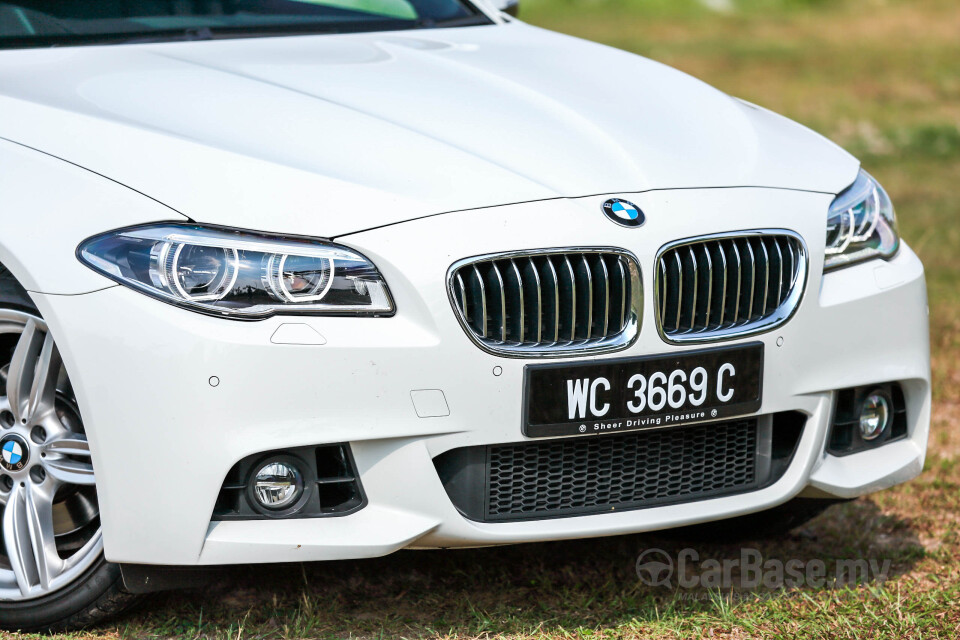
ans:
(548, 301)
(600, 474)
(728, 285)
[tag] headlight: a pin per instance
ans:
(239, 274)
(862, 224)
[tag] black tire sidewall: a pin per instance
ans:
(59, 607)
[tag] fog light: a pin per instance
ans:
(277, 485)
(874, 416)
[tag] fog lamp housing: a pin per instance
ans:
(867, 417)
(318, 481)
(875, 415)
(277, 485)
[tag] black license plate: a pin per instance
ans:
(652, 392)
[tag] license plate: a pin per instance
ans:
(628, 394)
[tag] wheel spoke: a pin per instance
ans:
(29, 539)
(73, 444)
(69, 471)
(18, 383)
(32, 378)
(43, 391)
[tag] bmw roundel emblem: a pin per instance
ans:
(624, 212)
(14, 453)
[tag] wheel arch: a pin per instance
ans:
(12, 293)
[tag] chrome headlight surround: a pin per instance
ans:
(861, 225)
(238, 274)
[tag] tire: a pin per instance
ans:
(777, 522)
(95, 597)
(94, 591)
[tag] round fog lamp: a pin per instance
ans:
(874, 416)
(277, 485)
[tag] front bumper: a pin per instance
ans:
(163, 437)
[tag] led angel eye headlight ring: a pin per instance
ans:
(273, 270)
(168, 265)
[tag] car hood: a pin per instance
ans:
(327, 135)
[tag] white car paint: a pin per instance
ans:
(324, 136)
(517, 135)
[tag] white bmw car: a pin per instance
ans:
(302, 280)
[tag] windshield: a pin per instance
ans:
(44, 23)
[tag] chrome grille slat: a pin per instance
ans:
(752, 261)
(736, 309)
(461, 292)
(695, 280)
(515, 317)
(534, 278)
(709, 275)
(728, 285)
(676, 255)
(502, 319)
(604, 276)
(550, 302)
(624, 290)
(573, 298)
(483, 299)
(556, 299)
(586, 297)
(723, 271)
(793, 262)
(662, 288)
(766, 275)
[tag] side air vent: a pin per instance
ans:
(551, 302)
(727, 286)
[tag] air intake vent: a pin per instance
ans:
(619, 472)
(729, 285)
(549, 302)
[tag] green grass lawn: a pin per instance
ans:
(881, 77)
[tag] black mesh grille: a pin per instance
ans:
(730, 284)
(589, 475)
(549, 300)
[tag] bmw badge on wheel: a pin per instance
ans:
(13, 453)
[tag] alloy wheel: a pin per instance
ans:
(50, 520)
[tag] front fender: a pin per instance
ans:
(48, 206)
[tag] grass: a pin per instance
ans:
(881, 77)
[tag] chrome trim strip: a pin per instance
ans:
(560, 348)
(781, 315)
